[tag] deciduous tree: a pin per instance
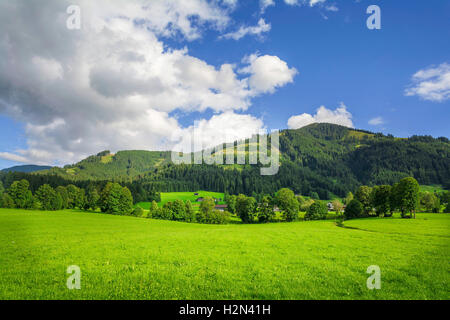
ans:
(21, 195)
(380, 199)
(409, 196)
(363, 195)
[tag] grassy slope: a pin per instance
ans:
(131, 258)
(432, 188)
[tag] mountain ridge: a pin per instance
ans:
(322, 158)
(29, 168)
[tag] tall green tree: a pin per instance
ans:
(104, 197)
(363, 195)
(126, 201)
(287, 202)
(92, 198)
(394, 199)
(380, 199)
(230, 200)
(62, 191)
(408, 189)
(246, 208)
(265, 210)
(116, 199)
(48, 198)
(21, 195)
(75, 197)
(179, 210)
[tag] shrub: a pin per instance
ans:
(179, 210)
(138, 212)
(162, 214)
(305, 206)
(153, 208)
(213, 217)
(354, 210)
(190, 213)
(317, 211)
(447, 208)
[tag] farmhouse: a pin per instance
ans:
(221, 207)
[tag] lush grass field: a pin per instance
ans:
(131, 258)
(432, 188)
(172, 196)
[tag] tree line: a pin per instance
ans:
(184, 212)
(382, 201)
(140, 190)
(112, 198)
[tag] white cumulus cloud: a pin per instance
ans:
(114, 83)
(260, 28)
(267, 73)
(339, 116)
(376, 121)
(431, 84)
(264, 4)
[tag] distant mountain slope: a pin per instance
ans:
(370, 158)
(321, 158)
(26, 168)
(105, 166)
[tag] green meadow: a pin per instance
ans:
(432, 188)
(191, 196)
(133, 258)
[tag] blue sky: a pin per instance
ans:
(338, 59)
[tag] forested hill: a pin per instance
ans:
(321, 158)
(124, 165)
(370, 158)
